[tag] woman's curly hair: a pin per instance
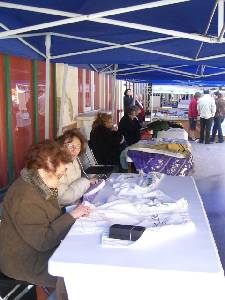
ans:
(46, 155)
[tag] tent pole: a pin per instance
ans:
(221, 25)
(47, 83)
(114, 103)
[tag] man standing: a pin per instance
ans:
(206, 109)
(218, 119)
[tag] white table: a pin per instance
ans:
(186, 268)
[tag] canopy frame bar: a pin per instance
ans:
(172, 70)
(93, 68)
(211, 57)
(163, 71)
(207, 27)
(25, 35)
(107, 67)
(152, 66)
(119, 46)
(129, 68)
(24, 42)
(115, 46)
(141, 67)
(112, 12)
(99, 17)
(214, 74)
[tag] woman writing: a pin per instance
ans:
(32, 223)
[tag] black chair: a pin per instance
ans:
(12, 289)
(90, 166)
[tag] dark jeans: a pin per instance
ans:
(217, 127)
(205, 126)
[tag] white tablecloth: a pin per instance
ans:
(186, 268)
(173, 133)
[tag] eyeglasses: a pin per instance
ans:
(73, 147)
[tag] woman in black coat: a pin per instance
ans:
(105, 140)
(129, 126)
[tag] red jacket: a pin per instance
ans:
(192, 111)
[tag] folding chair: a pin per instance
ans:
(12, 289)
(90, 166)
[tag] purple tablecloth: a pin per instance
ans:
(154, 162)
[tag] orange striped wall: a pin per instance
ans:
(22, 107)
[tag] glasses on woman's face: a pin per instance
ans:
(73, 147)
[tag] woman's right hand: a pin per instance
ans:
(93, 180)
(80, 211)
